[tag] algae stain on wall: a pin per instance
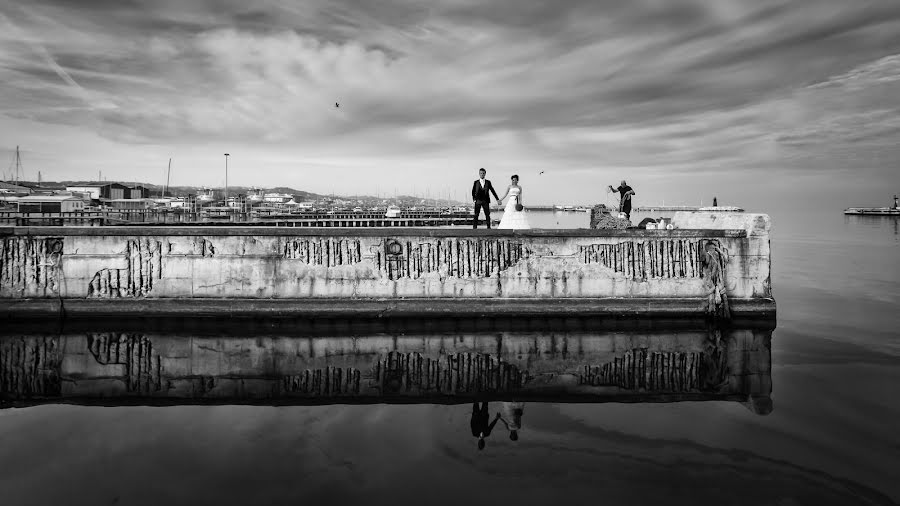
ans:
(143, 260)
(30, 266)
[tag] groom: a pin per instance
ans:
(482, 199)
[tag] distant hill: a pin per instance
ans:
(156, 189)
(298, 194)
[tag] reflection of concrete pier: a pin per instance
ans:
(579, 366)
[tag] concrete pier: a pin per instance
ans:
(74, 271)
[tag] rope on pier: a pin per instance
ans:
(602, 219)
(713, 260)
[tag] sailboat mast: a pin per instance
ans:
(168, 175)
(18, 164)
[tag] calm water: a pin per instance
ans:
(830, 437)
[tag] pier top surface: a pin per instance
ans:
(357, 232)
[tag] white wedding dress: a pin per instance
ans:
(513, 219)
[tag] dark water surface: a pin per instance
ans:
(613, 412)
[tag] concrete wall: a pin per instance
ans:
(260, 263)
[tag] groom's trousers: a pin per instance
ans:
(487, 214)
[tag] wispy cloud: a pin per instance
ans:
(38, 49)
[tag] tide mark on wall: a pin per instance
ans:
(325, 381)
(143, 268)
(667, 258)
(142, 364)
(327, 252)
(412, 374)
(455, 373)
(29, 367)
(461, 258)
(206, 248)
(667, 371)
(31, 264)
(713, 259)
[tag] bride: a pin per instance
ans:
(511, 217)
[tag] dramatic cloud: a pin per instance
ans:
(590, 89)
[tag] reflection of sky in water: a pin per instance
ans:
(831, 438)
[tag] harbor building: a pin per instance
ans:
(50, 204)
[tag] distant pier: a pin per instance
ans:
(873, 211)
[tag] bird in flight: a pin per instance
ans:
(541, 173)
(337, 104)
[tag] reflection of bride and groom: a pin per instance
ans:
(510, 415)
(514, 213)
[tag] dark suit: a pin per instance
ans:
(482, 198)
(481, 420)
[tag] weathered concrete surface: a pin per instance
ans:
(754, 224)
(377, 307)
(144, 263)
(148, 368)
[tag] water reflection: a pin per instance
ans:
(881, 223)
(326, 363)
(510, 414)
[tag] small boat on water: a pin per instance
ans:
(255, 194)
(392, 212)
(205, 194)
(282, 198)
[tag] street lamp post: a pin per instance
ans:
(226, 180)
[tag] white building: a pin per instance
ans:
(50, 204)
(278, 197)
(93, 191)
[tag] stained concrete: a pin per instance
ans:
(348, 266)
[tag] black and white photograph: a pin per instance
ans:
(478, 252)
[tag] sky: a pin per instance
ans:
(758, 102)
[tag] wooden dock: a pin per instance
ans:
(204, 217)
